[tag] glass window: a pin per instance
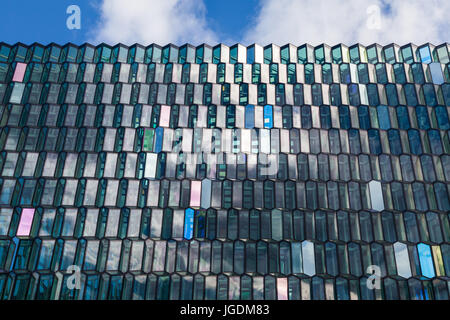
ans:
(309, 73)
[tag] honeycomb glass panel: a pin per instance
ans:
(200, 172)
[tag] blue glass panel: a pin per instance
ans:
(442, 118)
(426, 260)
(425, 55)
(353, 93)
(414, 141)
(216, 54)
(45, 285)
(106, 54)
(383, 117)
(234, 54)
(422, 118)
(435, 141)
(92, 284)
(306, 117)
(403, 118)
(353, 137)
(364, 119)
(394, 142)
(430, 95)
(16, 249)
(139, 287)
(436, 73)
(189, 223)
(250, 116)
(309, 73)
(446, 92)
(115, 288)
(342, 289)
(325, 117)
(251, 55)
(374, 141)
(345, 73)
(399, 72)
(410, 94)
(335, 94)
(159, 133)
(298, 94)
(344, 117)
(4, 53)
(418, 74)
(381, 73)
(5, 195)
(45, 258)
(268, 54)
(391, 93)
(372, 93)
(442, 197)
(3, 253)
(200, 225)
(199, 55)
(268, 116)
(316, 90)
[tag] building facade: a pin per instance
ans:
(224, 172)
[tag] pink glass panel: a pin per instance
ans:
(19, 72)
(282, 288)
(26, 220)
(196, 187)
(165, 116)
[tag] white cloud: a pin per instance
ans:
(338, 21)
(148, 21)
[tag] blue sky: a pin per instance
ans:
(44, 21)
(230, 21)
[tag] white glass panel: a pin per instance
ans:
(376, 195)
(309, 264)
(402, 260)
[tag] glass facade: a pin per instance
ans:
(224, 172)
